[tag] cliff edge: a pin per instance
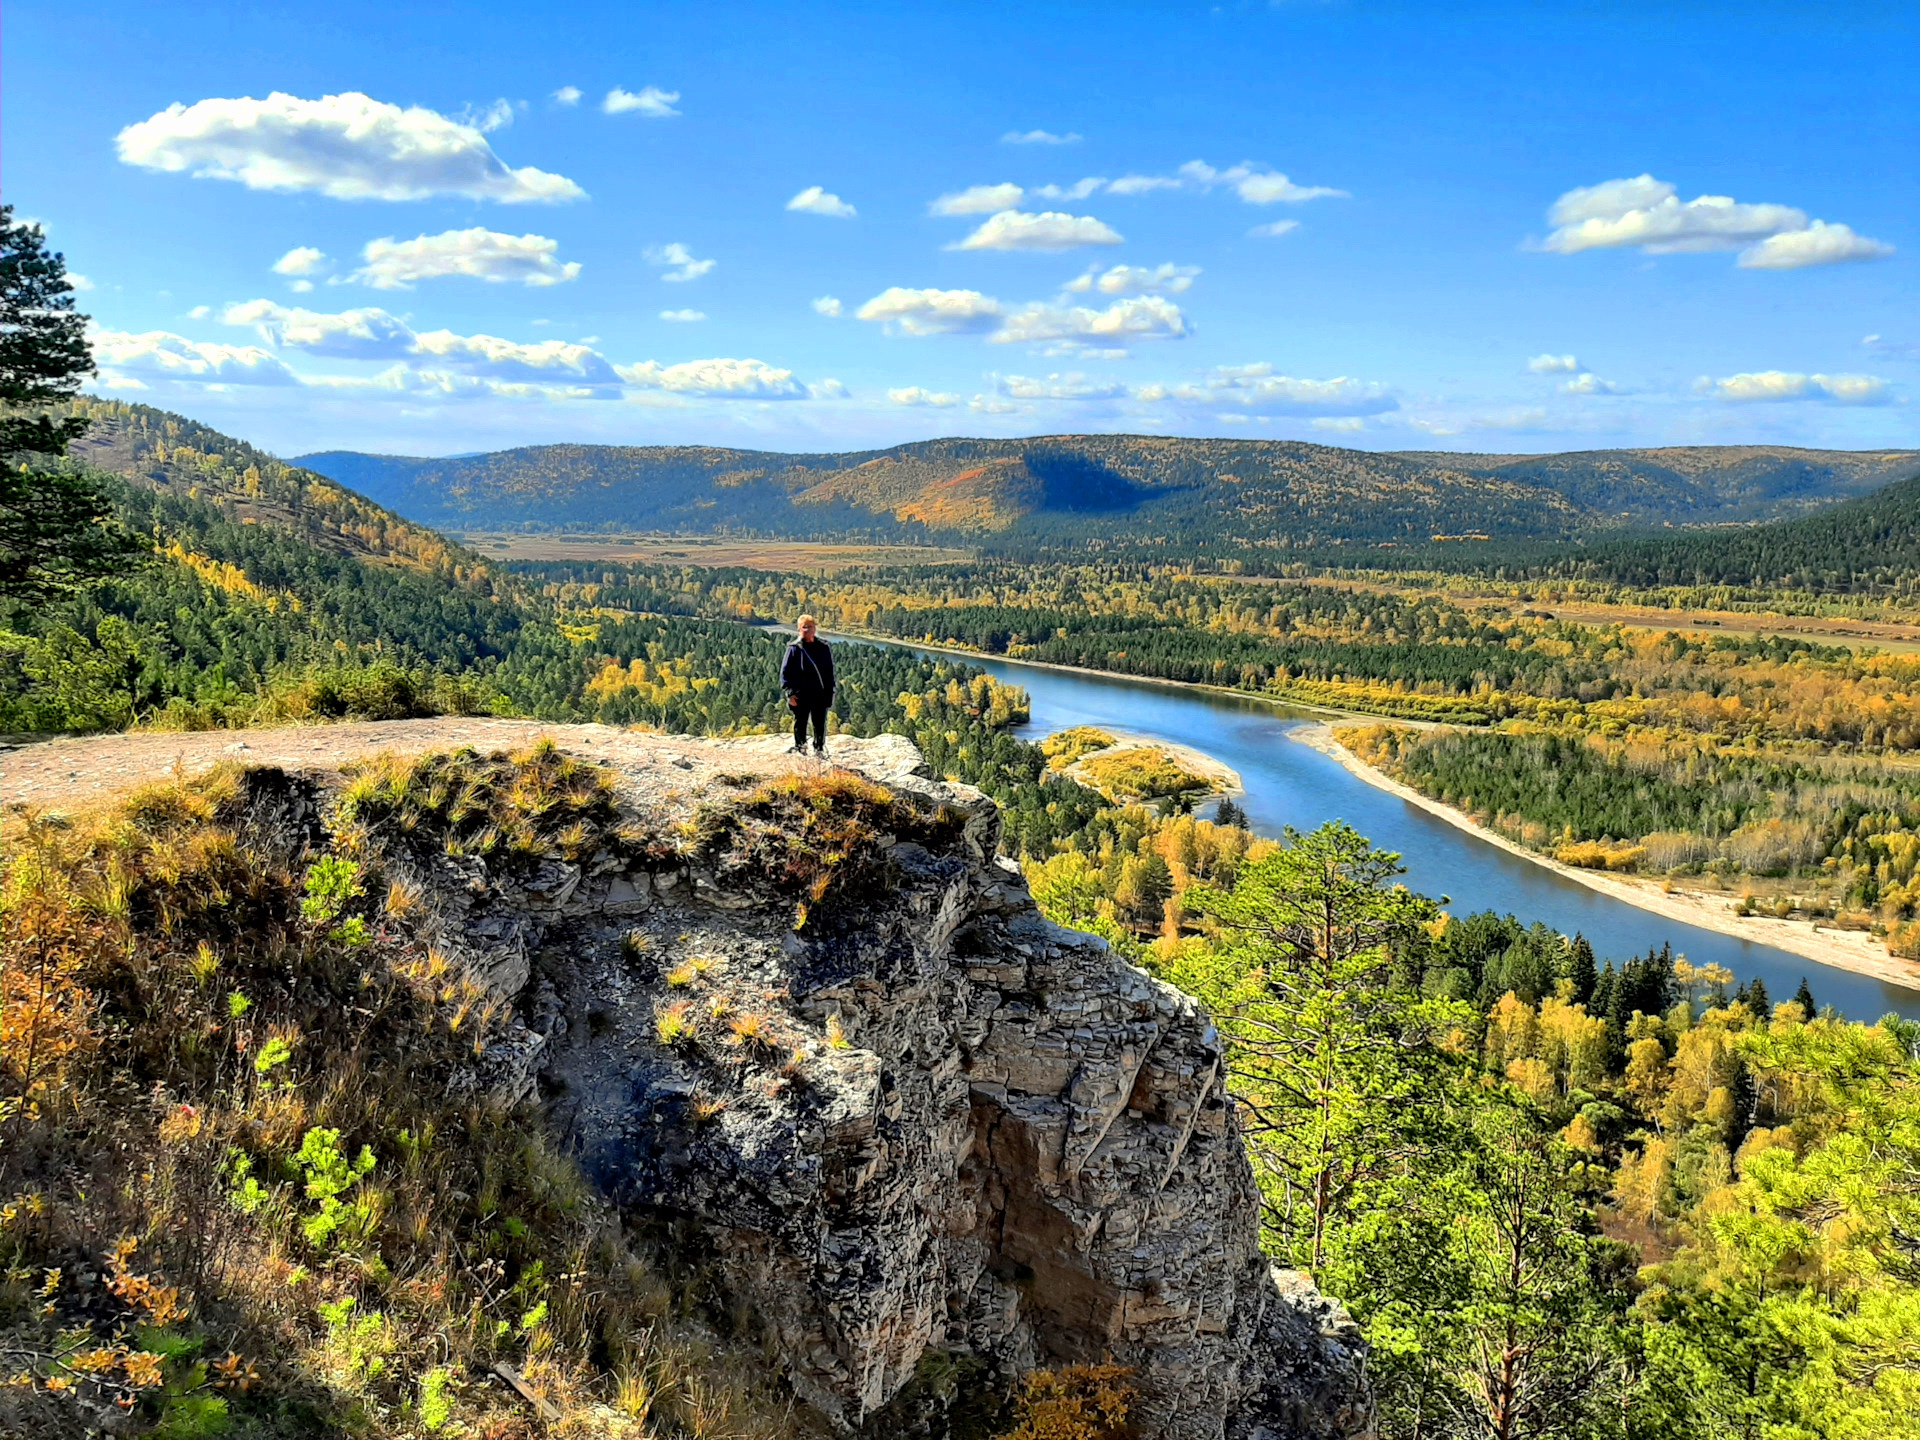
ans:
(831, 1044)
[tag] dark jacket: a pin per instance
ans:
(807, 670)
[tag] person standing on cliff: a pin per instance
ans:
(806, 674)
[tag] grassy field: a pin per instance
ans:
(720, 551)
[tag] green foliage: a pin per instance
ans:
(1317, 1039)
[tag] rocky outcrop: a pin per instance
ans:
(928, 1124)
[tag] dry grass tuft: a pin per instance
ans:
(243, 1186)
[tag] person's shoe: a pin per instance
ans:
(821, 750)
(797, 749)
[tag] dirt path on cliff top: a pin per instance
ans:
(75, 774)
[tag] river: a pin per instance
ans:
(1289, 783)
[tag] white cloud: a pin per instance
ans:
(1069, 385)
(678, 262)
(1255, 388)
(1144, 184)
(828, 305)
(496, 116)
(1049, 230)
(369, 333)
(199, 312)
(510, 360)
(1168, 279)
(301, 260)
(1769, 385)
(828, 389)
(348, 146)
(300, 287)
(1648, 215)
(978, 200)
(567, 95)
(1038, 137)
(815, 201)
(652, 102)
(79, 282)
(1553, 364)
(716, 379)
(1588, 383)
(1079, 190)
(1256, 184)
(1273, 229)
(1346, 424)
(914, 395)
(160, 355)
(478, 253)
(932, 312)
(683, 317)
(1142, 317)
(987, 405)
(1818, 244)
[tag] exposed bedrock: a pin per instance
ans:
(933, 1123)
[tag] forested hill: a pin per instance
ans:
(1119, 491)
(1861, 546)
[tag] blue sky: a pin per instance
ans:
(441, 228)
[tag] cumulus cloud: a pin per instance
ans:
(1038, 137)
(79, 282)
(1048, 230)
(1253, 183)
(828, 305)
(1647, 214)
(1818, 244)
(348, 146)
(567, 95)
(501, 359)
(1346, 424)
(1273, 229)
(199, 312)
(1068, 385)
(1168, 279)
(1588, 383)
(716, 379)
(914, 395)
(496, 116)
(683, 317)
(1257, 389)
(828, 389)
(677, 260)
(932, 312)
(478, 253)
(368, 333)
(128, 360)
(301, 260)
(1079, 190)
(1766, 385)
(815, 201)
(652, 102)
(978, 200)
(1553, 364)
(1141, 317)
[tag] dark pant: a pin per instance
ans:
(807, 707)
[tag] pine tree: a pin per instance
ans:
(1580, 969)
(56, 530)
(1803, 997)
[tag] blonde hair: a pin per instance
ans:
(806, 620)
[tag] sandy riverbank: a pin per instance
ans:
(1222, 779)
(1850, 950)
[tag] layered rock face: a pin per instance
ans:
(932, 1124)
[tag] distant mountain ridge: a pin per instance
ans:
(1124, 491)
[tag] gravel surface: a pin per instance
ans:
(664, 772)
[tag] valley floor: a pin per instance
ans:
(1850, 950)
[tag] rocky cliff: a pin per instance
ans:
(826, 1043)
